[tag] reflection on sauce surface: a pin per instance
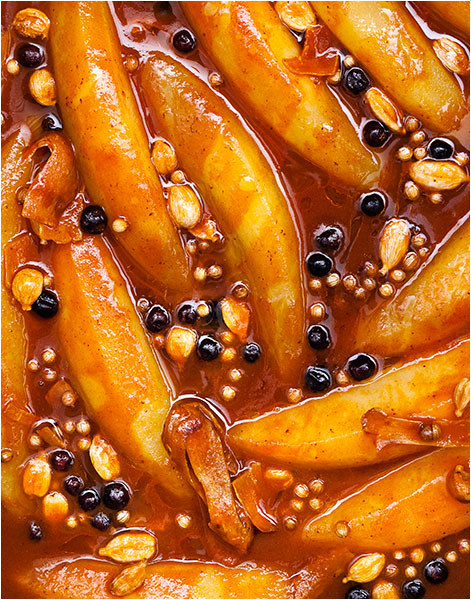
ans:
(237, 390)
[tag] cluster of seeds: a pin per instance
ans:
(298, 498)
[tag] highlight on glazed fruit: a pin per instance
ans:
(235, 299)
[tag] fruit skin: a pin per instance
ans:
(432, 309)
(102, 119)
(248, 43)
(99, 332)
(262, 242)
(327, 433)
(408, 70)
(15, 173)
(409, 505)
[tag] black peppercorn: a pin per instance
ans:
(35, 532)
(30, 56)
(318, 264)
(318, 379)
(208, 348)
(440, 149)
(47, 305)
(101, 521)
(89, 499)
(116, 495)
(356, 80)
(375, 133)
(51, 123)
(187, 313)
(73, 484)
(251, 352)
(318, 337)
(93, 219)
(361, 366)
(61, 460)
(413, 589)
(436, 571)
(330, 239)
(372, 204)
(184, 41)
(157, 318)
(357, 591)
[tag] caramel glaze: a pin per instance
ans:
(315, 202)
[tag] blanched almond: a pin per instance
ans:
(297, 15)
(366, 568)
(55, 507)
(43, 87)
(236, 316)
(385, 110)
(461, 397)
(180, 343)
(393, 244)
(452, 55)
(104, 458)
(437, 176)
(184, 206)
(31, 23)
(37, 477)
(129, 579)
(27, 286)
(164, 157)
(130, 547)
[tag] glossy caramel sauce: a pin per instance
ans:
(315, 202)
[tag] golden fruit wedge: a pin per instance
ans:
(249, 44)
(326, 433)
(87, 578)
(15, 174)
(100, 334)
(409, 505)
(456, 13)
(236, 182)
(432, 309)
(102, 118)
(390, 45)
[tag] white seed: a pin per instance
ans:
(178, 177)
(235, 375)
(399, 555)
(462, 158)
(451, 556)
(228, 393)
(411, 191)
(7, 455)
(164, 157)
(420, 152)
(294, 395)
(419, 240)
(342, 378)
(332, 280)
(315, 504)
(386, 290)
(214, 271)
(317, 311)
(316, 486)
(297, 505)
(436, 198)
(49, 375)
(359, 293)
(131, 63)
(398, 275)
(411, 124)
(48, 356)
(301, 490)
(69, 398)
(199, 274)
(342, 529)
(123, 516)
(290, 523)
(417, 555)
(215, 79)
(13, 67)
(418, 137)
(83, 444)
(436, 547)
(83, 427)
(349, 61)
(184, 206)
(369, 284)
(349, 282)
(71, 522)
(183, 520)
(410, 572)
(35, 441)
(119, 225)
(315, 285)
(404, 153)
(33, 365)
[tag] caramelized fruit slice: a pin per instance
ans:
(456, 13)
(249, 44)
(432, 309)
(15, 173)
(390, 45)
(238, 185)
(327, 432)
(103, 121)
(409, 505)
(109, 358)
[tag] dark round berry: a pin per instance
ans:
(356, 80)
(362, 366)
(330, 238)
(357, 591)
(184, 41)
(101, 521)
(372, 204)
(30, 56)
(157, 318)
(47, 305)
(61, 460)
(51, 123)
(440, 149)
(93, 219)
(251, 352)
(89, 499)
(375, 134)
(318, 337)
(413, 589)
(187, 313)
(317, 379)
(208, 348)
(318, 264)
(116, 495)
(436, 571)
(35, 531)
(73, 484)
